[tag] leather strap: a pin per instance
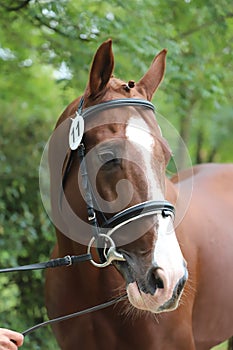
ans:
(66, 261)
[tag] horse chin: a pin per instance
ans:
(161, 301)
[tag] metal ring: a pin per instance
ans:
(112, 245)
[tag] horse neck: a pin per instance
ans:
(66, 246)
(179, 194)
(171, 191)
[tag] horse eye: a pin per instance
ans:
(106, 157)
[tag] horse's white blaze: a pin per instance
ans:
(166, 254)
(138, 132)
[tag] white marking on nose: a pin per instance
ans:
(167, 252)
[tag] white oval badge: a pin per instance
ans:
(76, 131)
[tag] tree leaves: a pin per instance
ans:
(36, 39)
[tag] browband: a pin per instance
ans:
(122, 102)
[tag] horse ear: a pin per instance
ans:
(153, 77)
(101, 69)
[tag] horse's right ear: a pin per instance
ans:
(101, 69)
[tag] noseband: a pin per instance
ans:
(138, 211)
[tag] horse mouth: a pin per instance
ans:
(162, 299)
(126, 271)
(157, 303)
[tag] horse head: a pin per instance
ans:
(126, 157)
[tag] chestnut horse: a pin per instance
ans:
(177, 274)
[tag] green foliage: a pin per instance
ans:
(26, 234)
(223, 346)
(37, 38)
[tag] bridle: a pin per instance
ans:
(101, 233)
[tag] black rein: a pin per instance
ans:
(66, 261)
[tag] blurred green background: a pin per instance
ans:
(46, 48)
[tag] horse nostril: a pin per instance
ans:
(159, 283)
(154, 280)
(180, 285)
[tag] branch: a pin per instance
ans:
(207, 24)
(16, 7)
(43, 23)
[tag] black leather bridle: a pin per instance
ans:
(122, 218)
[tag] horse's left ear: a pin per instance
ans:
(101, 69)
(153, 77)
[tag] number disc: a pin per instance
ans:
(76, 131)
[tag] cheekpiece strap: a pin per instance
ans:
(80, 106)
